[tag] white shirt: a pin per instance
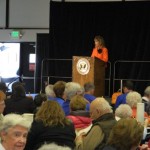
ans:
(1, 147)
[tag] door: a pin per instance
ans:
(27, 65)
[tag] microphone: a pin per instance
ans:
(99, 51)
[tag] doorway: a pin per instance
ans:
(27, 65)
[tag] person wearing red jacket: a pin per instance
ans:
(100, 51)
(78, 115)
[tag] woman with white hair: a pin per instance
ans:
(146, 99)
(49, 92)
(72, 89)
(53, 146)
(13, 131)
(132, 99)
(123, 111)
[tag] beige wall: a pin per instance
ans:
(27, 35)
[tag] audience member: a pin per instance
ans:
(53, 146)
(125, 135)
(132, 99)
(114, 97)
(103, 121)
(50, 92)
(78, 114)
(19, 103)
(72, 89)
(13, 131)
(89, 91)
(50, 125)
(123, 111)
(146, 100)
(2, 104)
(121, 99)
(38, 100)
(146, 97)
(59, 88)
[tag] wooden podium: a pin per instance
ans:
(88, 69)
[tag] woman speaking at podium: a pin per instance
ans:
(100, 51)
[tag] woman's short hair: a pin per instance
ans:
(59, 88)
(72, 89)
(53, 146)
(12, 120)
(78, 103)
(100, 39)
(123, 111)
(147, 91)
(126, 134)
(133, 98)
(51, 114)
(49, 90)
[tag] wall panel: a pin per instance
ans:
(2, 13)
(29, 14)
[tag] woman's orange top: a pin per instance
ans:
(102, 56)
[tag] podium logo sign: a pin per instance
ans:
(83, 66)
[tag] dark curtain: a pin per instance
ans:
(125, 27)
(42, 52)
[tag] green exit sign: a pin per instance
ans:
(15, 34)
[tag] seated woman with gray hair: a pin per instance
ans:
(146, 99)
(72, 89)
(13, 132)
(132, 99)
(53, 146)
(50, 92)
(123, 111)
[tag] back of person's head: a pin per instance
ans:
(147, 91)
(100, 39)
(123, 111)
(3, 87)
(51, 114)
(99, 107)
(128, 84)
(133, 98)
(49, 90)
(89, 86)
(39, 99)
(18, 91)
(72, 89)
(12, 120)
(53, 146)
(78, 103)
(126, 134)
(16, 84)
(59, 88)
